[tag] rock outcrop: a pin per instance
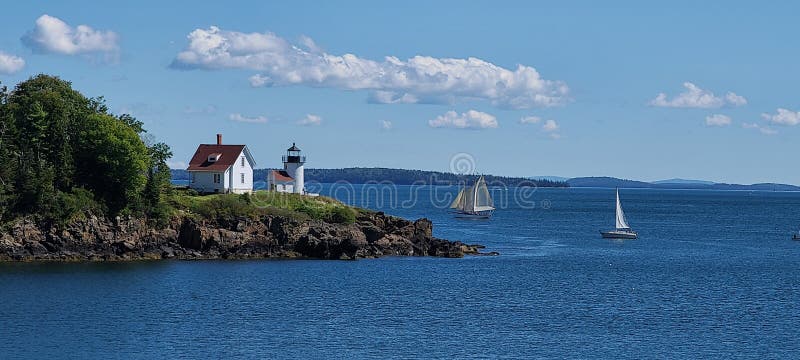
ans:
(98, 239)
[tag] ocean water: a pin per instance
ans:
(713, 275)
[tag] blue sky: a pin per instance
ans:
(525, 88)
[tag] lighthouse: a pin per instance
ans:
(293, 163)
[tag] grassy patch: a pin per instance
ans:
(260, 203)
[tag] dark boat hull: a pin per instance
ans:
(619, 234)
(476, 215)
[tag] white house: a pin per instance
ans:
(292, 177)
(218, 168)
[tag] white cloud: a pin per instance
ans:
(550, 126)
(10, 64)
(310, 120)
(695, 97)
(766, 130)
(248, 119)
(52, 35)
(530, 120)
(471, 119)
(718, 120)
(258, 80)
(783, 117)
(386, 125)
(420, 79)
(735, 100)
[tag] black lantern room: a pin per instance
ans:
(293, 155)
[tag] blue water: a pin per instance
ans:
(714, 274)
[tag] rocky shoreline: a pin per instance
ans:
(98, 239)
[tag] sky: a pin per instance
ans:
(631, 89)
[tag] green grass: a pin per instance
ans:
(261, 203)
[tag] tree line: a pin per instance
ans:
(396, 176)
(65, 154)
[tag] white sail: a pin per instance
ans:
(483, 200)
(474, 199)
(469, 200)
(458, 203)
(621, 223)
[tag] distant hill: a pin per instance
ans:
(610, 182)
(395, 176)
(684, 182)
(607, 182)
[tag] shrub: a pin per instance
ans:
(342, 215)
(76, 204)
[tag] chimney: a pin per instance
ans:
(219, 139)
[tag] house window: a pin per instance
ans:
(242, 176)
(242, 161)
(216, 178)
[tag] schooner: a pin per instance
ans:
(474, 202)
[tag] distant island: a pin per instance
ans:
(674, 184)
(79, 183)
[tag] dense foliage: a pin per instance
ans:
(65, 154)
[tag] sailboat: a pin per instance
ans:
(796, 235)
(623, 230)
(474, 202)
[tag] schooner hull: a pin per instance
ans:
(477, 215)
(618, 234)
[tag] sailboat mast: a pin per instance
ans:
(475, 195)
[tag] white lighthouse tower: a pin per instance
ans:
(293, 163)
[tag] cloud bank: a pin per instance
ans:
(695, 97)
(52, 35)
(10, 64)
(471, 119)
(420, 79)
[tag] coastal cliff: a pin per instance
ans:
(373, 234)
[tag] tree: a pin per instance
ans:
(112, 162)
(158, 180)
(8, 169)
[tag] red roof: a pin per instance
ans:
(228, 156)
(282, 176)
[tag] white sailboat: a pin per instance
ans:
(474, 202)
(623, 230)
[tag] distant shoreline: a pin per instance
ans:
(362, 176)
